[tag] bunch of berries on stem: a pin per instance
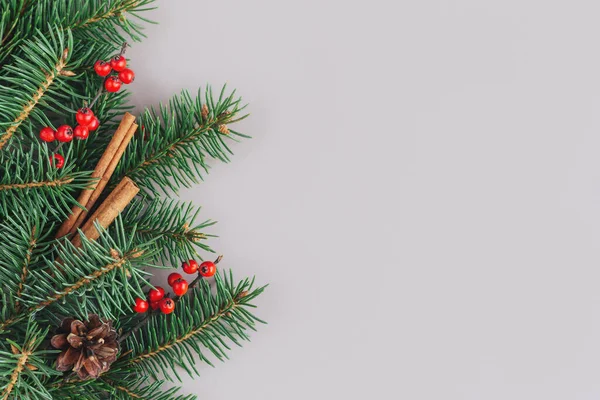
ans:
(87, 121)
(157, 299)
(118, 64)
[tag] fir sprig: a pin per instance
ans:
(202, 320)
(135, 388)
(175, 143)
(125, 386)
(26, 365)
(27, 178)
(28, 236)
(34, 77)
(105, 276)
(93, 21)
(171, 226)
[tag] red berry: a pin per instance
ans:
(141, 305)
(126, 76)
(167, 306)
(173, 277)
(156, 294)
(208, 269)
(190, 267)
(47, 134)
(57, 160)
(180, 287)
(64, 133)
(112, 84)
(84, 116)
(102, 68)
(154, 304)
(81, 132)
(118, 63)
(92, 126)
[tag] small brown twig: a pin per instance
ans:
(124, 47)
(57, 148)
(95, 99)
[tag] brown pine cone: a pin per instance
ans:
(88, 348)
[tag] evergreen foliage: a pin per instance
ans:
(47, 52)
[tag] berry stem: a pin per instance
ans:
(146, 317)
(96, 97)
(61, 144)
(123, 48)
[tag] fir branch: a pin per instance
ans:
(24, 243)
(26, 366)
(110, 19)
(23, 355)
(116, 10)
(215, 318)
(93, 21)
(118, 384)
(128, 392)
(18, 12)
(108, 269)
(50, 76)
(85, 281)
(170, 226)
(34, 76)
(43, 184)
(28, 179)
(137, 387)
(25, 270)
(70, 288)
(157, 312)
(201, 318)
(174, 144)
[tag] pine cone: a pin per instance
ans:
(89, 348)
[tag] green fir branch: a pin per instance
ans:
(93, 21)
(49, 81)
(175, 143)
(141, 389)
(27, 241)
(27, 178)
(24, 366)
(202, 322)
(172, 228)
(26, 82)
(12, 12)
(102, 277)
(121, 385)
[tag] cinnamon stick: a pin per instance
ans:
(101, 184)
(70, 225)
(115, 203)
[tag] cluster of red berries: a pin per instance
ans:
(156, 297)
(118, 64)
(206, 269)
(87, 121)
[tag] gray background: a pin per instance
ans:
(422, 192)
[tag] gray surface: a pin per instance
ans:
(422, 192)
